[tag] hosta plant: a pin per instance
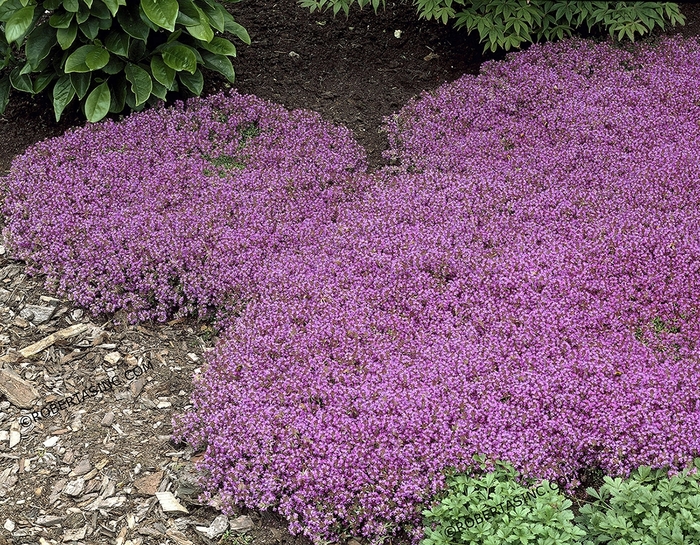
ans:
(112, 55)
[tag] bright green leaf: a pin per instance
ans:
(66, 36)
(162, 73)
(18, 25)
(193, 82)
(161, 12)
(179, 58)
(141, 83)
(63, 93)
(98, 102)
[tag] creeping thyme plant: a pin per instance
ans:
(522, 282)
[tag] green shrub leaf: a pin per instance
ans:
(63, 93)
(162, 73)
(66, 36)
(97, 103)
(219, 63)
(179, 58)
(118, 43)
(220, 46)
(4, 93)
(86, 58)
(193, 82)
(39, 44)
(141, 83)
(81, 83)
(161, 12)
(18, 25)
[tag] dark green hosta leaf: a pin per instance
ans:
(61, 20)
(81, 83)
(42, 81)
(237, 30)
(98, 102)
(21, 82)
(201, 32)
(162, 73)
(66, 36)
(132, 24)
(71, 5)
(63, 93)
(90, 28)
(219, 63)
(219, 46)
(39, 44)
(141, 83)
(216, 16)
(18, 25)
(82, 15)
(114, 66)
(112, 6)
(100, 11)
(189, 15)
(193, 82)
(180, 57)
(159, 90)
(86, 58)
(4, 93)
(117, 43)
(161, 12)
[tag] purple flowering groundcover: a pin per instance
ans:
(524, 284)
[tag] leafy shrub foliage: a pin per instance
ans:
(112, 54)
(647, 509)
(174, 210)
(496, 508)
(506, 24)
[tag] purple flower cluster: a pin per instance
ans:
(175, 210)
(525, 284)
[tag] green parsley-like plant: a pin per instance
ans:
(111, 55)
(649, 508)
(506, 24)
(498, 507)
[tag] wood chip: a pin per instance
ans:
(148, 485)
(15, 435)
(61, 335)
(113, 357)
(37, 314)
(169, 503)
(75, 535)
(18, 391)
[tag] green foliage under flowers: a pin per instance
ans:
(111, 55)
(649, 508)
(506, 24)
(496, 508)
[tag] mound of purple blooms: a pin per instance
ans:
(526, 286)
(175, 210)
